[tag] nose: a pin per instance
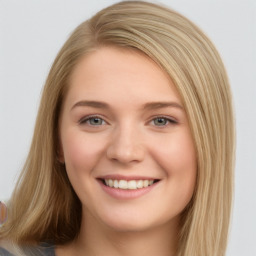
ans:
(126, 146)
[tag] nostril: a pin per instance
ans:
(125, 152)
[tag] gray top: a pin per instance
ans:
(44, 249)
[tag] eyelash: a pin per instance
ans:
(84, 120)
(167, 120)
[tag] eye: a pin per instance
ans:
(93, 121)
(163, 121)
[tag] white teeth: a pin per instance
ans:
(123, 184)
(116, 183)
(140, 184)
(131, 184)
(145, 183)
(110, 183)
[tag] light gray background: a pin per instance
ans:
(31, 33)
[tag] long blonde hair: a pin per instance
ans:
(44, 206)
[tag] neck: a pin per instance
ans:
(98, 239)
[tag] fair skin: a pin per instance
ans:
(122, 119)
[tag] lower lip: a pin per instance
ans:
(126, 194)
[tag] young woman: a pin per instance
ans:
(133, 149)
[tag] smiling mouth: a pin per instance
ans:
(128, 184)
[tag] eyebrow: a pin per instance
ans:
(91, 103)
(147, 106)
(158, 105)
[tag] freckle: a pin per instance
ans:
(3, 213)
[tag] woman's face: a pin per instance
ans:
(126, 142)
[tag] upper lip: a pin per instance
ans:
(123, 177)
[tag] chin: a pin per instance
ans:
(128, 226)
(132, 222)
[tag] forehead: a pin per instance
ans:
(109, 72)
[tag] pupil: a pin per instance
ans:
(96, 121)
(160, 121)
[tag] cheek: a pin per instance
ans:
(81, 155)
(80, 151)
(177, 157)
(176, 153)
